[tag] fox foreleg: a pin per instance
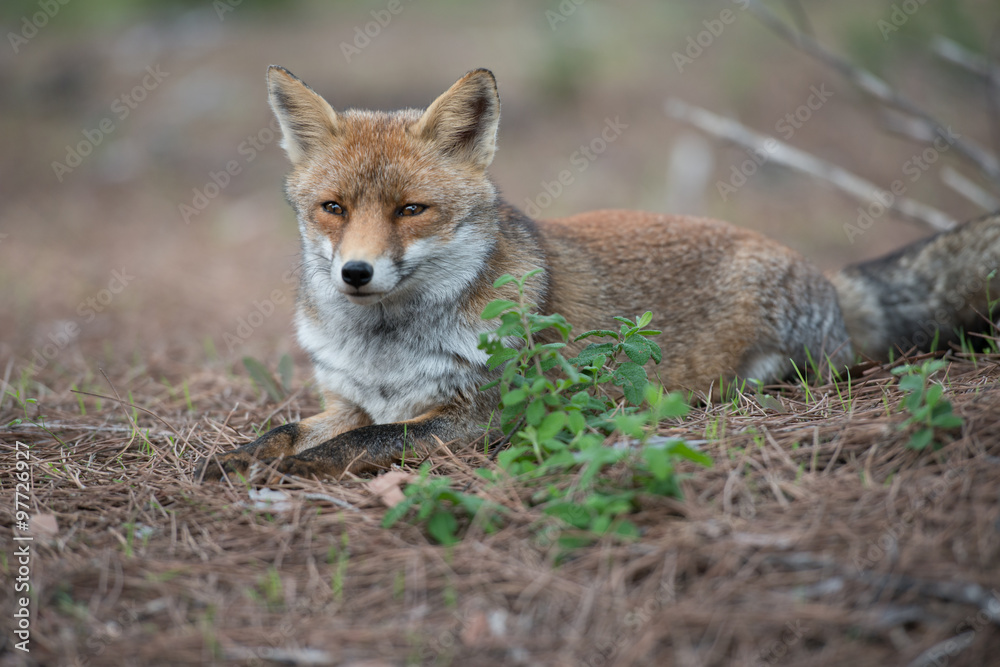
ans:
(376, 447)
(287, 440)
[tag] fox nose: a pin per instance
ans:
(357, 274)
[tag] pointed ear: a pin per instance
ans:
(307, 120)
(463, 121)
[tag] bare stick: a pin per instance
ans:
(793, 158)
(971, 191)
(877, 88)
(957, 54)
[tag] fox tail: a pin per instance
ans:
(925, 293)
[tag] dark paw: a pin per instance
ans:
(232, 464)
(304, 468)
(277, 442)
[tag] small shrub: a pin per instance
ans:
(929, 410)
(557, 414)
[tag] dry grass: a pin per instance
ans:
(816, 539)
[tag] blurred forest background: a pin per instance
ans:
(115, 115)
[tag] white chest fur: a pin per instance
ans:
(393, 363)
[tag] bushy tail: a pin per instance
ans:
(923, 292)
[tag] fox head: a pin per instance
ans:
(391, 205)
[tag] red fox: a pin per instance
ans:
(403, 234)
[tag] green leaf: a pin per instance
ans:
(921, 439)
(530, 274)
(285, 371)
(932, 366)
(630, 424)
(501, 357)
(601, 333)
(644, 319)
(934, 393)
(654, 351)
(396, 513)
(658, 462)
(912, 383)
(535, 412)
(259, 373)
(494, 308)
(625, 529)
(947, 421)
(592, 351)
(631, 377)
(637, 350)
(442, 526)
(551, 425)
(914, 402)
(510, 455)
(503, 280)
(682, 450)
(514, 397)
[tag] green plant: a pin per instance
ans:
(38, 421)
(265, 380)
(439, 505)
(338, 558)
(925, 402)
(558, 414)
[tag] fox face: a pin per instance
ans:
(399, 223)
(387, 202)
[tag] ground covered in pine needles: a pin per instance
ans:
(817, 538)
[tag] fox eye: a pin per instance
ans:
(333, 208)
(411, 209)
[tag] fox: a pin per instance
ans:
(403, 234)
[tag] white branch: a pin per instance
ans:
(793, 158)
(971, 191)
(957, 54)
(877, 88)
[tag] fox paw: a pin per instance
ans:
(304, 468)
(233, 463)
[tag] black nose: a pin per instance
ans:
(357, 274)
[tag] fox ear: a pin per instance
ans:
(463, 121)
(307, 120)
